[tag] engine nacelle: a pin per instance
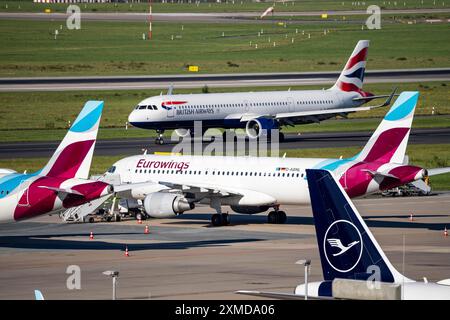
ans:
(249, 209)
(256, 127)
(165, 205)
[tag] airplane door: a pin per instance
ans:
(23, 198)
(170, 111)
(290, 103)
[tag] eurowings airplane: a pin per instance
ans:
(337, 220)
(258, 112)
(63, 182)
(171, 184)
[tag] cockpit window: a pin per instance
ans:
(155, 108)
(112, 169)
(142, 107)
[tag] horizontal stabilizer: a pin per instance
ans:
(62, 190)
(436, 171)
(380, 174)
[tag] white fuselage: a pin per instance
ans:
(410, 290)
(226, 109)
(282, 179)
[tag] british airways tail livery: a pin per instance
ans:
(348, 250)
(259, 112)
(171, 184)
(62, 183)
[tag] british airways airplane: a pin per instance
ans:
(258, 112)
(171, 184)
(348, 250)
(63, 182)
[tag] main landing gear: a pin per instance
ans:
(159, 139)
(277, 217)
(220, 219)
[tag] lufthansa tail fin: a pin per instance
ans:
(73, 157)
(389, 141)
(347, 247)
(351, 78)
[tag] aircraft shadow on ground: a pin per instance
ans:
(371, 221)
(49, 243)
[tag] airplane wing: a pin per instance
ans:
(63, 190)
(199, 190)
(204, 190)
(312, 113)
(279, 295)
(436, 171)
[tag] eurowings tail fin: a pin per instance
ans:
(73, 157)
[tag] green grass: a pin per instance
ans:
(225, 6)
(437, 155)
(21, 114)
(116, 48)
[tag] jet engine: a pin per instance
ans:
(165, 205)
(249, 209)
(257, 127)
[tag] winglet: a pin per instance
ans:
(38, 295)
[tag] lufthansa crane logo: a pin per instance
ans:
(342, 245)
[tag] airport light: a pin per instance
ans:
(114, 275)
(307, 264)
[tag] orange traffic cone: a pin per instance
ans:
(411, 218)
(139, 221)
(146, 230)
(445, 232)
(126, 252)
(91, 236)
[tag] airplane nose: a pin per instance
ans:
(133, 118)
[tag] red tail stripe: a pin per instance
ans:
(350, 87)
(70, 159)
(361, 56)
(386, 145)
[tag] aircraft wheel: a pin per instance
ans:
(216, 220)
(159, 141)
(226, 220)
(272, 217)
(282, 218)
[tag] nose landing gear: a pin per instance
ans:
(159, 139)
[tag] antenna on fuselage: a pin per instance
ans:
(145, 151)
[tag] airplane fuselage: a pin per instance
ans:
(23, 196)
(282, 179)
(225, 110)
